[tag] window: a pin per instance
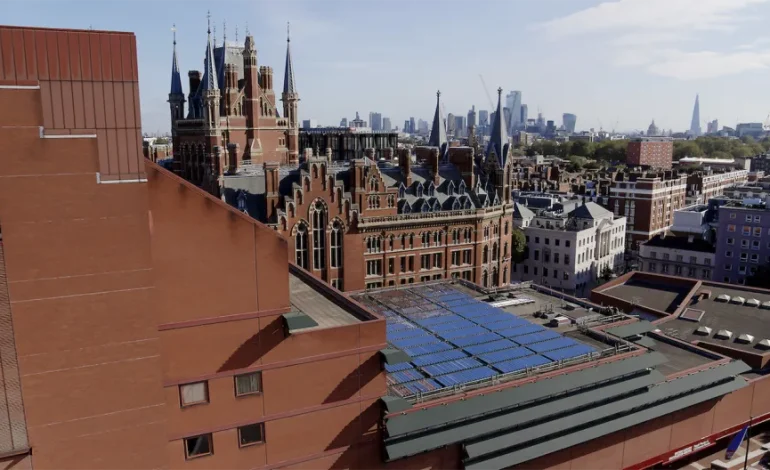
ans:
(250, 435)
(653, 255)
(537, 255)
(566, 276)
(403, 264)
(730, 241)
(748, 218)
(693, 260)
(731, 228)
(706, 274)
(665, 269)
(757, 218)
(337, 284)
(755, 244)
(732, 216)
(556, 258)
(485, 255)
(318, 215)
(566, 243)
(728, 267)
(566, 259)
(755, 258)
(746, 230)
(547, 241)
(666, 256)
(391, 265)
(537, 239)
(374, 267)
(744, 243)
(679, 258)
(300, 246)
(437, 260)
(425, 262)
(744, 256)
(678, 270)
(336, 248)
(652, 267)
(248, 384)
(556, 241)
(728, 254)
(757, 231)
(194, 393)
(198, 446)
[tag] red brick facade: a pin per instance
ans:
(655, 152)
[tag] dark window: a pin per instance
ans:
(198, 446)
(248, 384)
(250, 435)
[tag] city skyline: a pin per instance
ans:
(717, 49)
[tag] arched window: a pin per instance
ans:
(505, 250)
(411, 240)
(374, 185)
(336, 244)
(401, 191)
(495, 277)
(318, 216)
(506, 228)
(392, 242)
(456, 205)
(450, 189)
(436, 206)
(495, 252)
(437, 239)
(431, 189)
(425, 207)
(485, 254)
(300, 245)
(403, 241)
(484, 279)
(461, 188)
(505, 275)
(425, 239)
(419, 189)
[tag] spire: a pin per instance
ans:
(222, 58)
(210, 72)
(288, 75)
(695, 130)
(176, 78)
(438, 131)
(498, 140)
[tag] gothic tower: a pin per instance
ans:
(176, 95)
(290, 100)
(211, 105)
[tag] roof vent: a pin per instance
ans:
(703, 331)
(691, 314)
(723, 298)
(724, 334)
(764, 344)
(752, 303)
(705, 294)
(745, 339)
(765, 305)
(738, 300)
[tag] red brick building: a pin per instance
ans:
(655, 152)
(232, 114)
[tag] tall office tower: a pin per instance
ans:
(386, 125)
(412, 127)
(472, 117)
(713, 127)
(540, 122)
(344, 122)
(568, 121)
(309, 124)
(422, 126)
(375, 121)
(450, 123)
(524, 115)
(483, 118)
(407, 130)
(459, 126)
(695, 130)
(513, 103)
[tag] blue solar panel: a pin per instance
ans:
(416, 341)
(503, 325)
(478, 339)
(403, 334)
(454, 325)
(569, 353)
(443, 356)
(466, 376)
(457, 303)
(478, 349)
(520, 331)
(415, 351)
(537, 337)
(505, 355)
(500, 317)
(550, 345)
(426, 385)
(474, 311)
(406, 376)
(394, 326)
(451, 366)
(475, 330)
(398, 367)
(437, 320)
(521, 364)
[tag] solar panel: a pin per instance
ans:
(437, 320)
(451, 366)
(474, 311)
(521, 364)
(478, 339)
(532, 338)
(398, 367)
(466, 376)
(505, 355)
(503, 325)
(442, 356)
(569, 353)
(520, 330)
(474, 330)
(394, 326)
(478, 349)
(415, 351)
(406, 376)
(415, 341)
(498, 317)
(453, 325)
(403, 334)
(550, 345)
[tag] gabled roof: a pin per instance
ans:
(438, 131)
(498, 141)
(590, 210)
(520, 211)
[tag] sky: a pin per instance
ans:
(616, 64)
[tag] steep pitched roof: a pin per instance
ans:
(520, 211)
(438, 132)
(590, 210)
(176, 78)
(209, 82)
(288, 74)
(498, 141)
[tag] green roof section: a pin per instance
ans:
(632, 329)
(298, 321)
(514, 396)
(394, 356)
(646, 341)
(395, 404)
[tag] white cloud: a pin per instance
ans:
(760, 41)
(707, 64)
(650, 15)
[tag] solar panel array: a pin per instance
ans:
(454, 339)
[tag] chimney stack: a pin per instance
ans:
(434, 162)
(405, 163)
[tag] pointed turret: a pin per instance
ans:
(290, 100)
(438, 131)
(176, 78)
(498, 140)
(288, 77)
(210, 71)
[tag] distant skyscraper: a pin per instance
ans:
(309, 124)
(375, 121)
(357, 122)
(422, 126)
(412, 126)
(513, 103)
(483, 118)
(695, 130)
(344, 122)
(407, 130)
(386, 125)
(540, 122)
(569, 120)
(472, 117)
(459, 126)
(450, 123)
(713, 127)
(524, 115)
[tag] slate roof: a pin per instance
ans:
(498, 141)
(438, 131)
(520, 211)
(590, 210)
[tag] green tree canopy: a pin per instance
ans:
(518, 246)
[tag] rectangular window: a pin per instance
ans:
(337, 284)
(755, 258)
(732, 216)
(653, 255)
(403, 264)
(566, 259)
(556, 242)
(198, 446)
(728, 254)
(566, 276)
(194, 393)
(728, 267)
(652, 267)
(526, 269)
(248, 384)
(731, 228)
(665, 256)
(467, 257)
(545, 272)
(455, 258)
(746, 230)
(744, 256)
(693, 260)
(537, 255)
(744, 243)
(757, 218)
(250, 435)
(374, 267)
(411, 263)
(755, 244)
(547, 241)
(391, 265)
(425, 262)
(566, 243)
(730, 241)
(757, 231)
(438, 260)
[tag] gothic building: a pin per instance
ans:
(441, 213)
(232, 114)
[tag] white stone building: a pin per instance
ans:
(569, 251)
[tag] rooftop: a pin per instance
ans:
(306, 296)
(681, 243)
(660, 295)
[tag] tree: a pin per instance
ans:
(686, 149)
(607, 273)
(518, 246)
(761, 278)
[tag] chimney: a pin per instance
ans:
(405, 163)
(434, 162)
(369, 153)
(272, 180)
(195, 80)
(232, 157)
(387, 153)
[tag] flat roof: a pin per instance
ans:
(658, 295)
(308, 300)
(680, 358)
(738, 319)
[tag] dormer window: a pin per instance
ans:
(456, 205)
(436, 206)
(419, 190)
(450, 188)
(461, 188)
(425, 207)
(401, 191)
(431, 190)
